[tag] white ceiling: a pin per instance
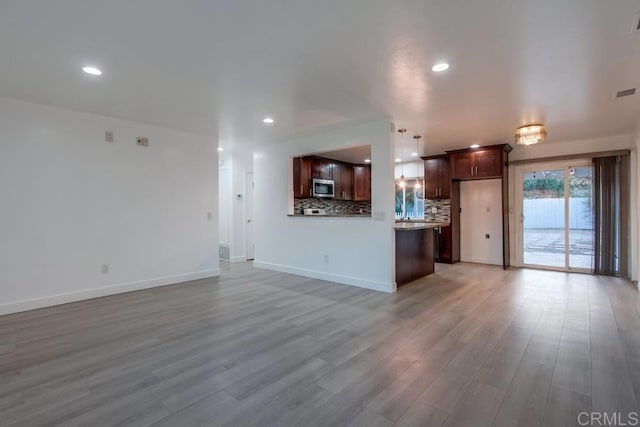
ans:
(356, 155)
(219, 67)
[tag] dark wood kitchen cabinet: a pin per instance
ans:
(343, 181)
(481, 163)
(361, 183)
(437, 177)
(322, 168)
(445, 247)
(302, 177)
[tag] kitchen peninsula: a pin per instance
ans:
(415, 254)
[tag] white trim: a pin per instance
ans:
(241, 258)
(336, 278)
(35, 303)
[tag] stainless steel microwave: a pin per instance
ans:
(323, 187)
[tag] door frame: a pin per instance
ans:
(249, 214)
(519, 202)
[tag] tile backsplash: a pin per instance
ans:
(444, 210)
(333, 207)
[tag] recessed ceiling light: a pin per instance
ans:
(367, 160)
(398, 160)
(92, 70)
(474, 145)
(220, 149)
(414, 154)
(268, 120)
(442, 66)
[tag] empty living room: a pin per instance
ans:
(326, 213)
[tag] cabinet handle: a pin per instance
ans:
(301, 192)
(471, 170)
(476, 170)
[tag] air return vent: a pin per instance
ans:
(623, 93)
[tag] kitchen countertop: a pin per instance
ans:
(418, 225)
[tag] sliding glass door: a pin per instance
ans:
(556, 217)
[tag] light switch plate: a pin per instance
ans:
(108, 136)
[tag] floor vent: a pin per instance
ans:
(225, 251)
(623, 93)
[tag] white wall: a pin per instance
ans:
(617, 142)
(72, 202)
(233, 173)
(409, 169)
(359, 250)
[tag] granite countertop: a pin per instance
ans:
(418, 225)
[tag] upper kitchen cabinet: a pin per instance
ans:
(480, 163)
(302, 177)
(437, 177)
(322, 168)
(343, 178)
(361, 183)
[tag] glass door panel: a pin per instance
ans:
(544, 236)
(581, 227)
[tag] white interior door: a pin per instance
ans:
(481, 221)
(249, 215)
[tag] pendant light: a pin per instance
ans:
(417, 137)
(402, 183)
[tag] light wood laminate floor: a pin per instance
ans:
(470, 345)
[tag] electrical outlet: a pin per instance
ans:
(326, 258)
(108, 136)
(434, 210)
(104, 269)
(143, 142)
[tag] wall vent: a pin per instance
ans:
(225, 251)
(636, 23)
(623, 93)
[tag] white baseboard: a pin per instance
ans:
(238, 258)
(336, 278)
(32, 304)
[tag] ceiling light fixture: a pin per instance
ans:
(220, 149)
(474, 146)
(398, 160)
(92, 70)
(401, 183)
(268, 120)
(367, 160)
(530, 134)
(440, 67)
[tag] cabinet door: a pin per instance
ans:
(361, 183)
(444, 178)
(488, 164)
(462, 166)
(445, 244)
(301, 177)
(326, 169)
(431, 178)
(338, 188)
(347, 182)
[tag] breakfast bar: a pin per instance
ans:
(414, 250)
